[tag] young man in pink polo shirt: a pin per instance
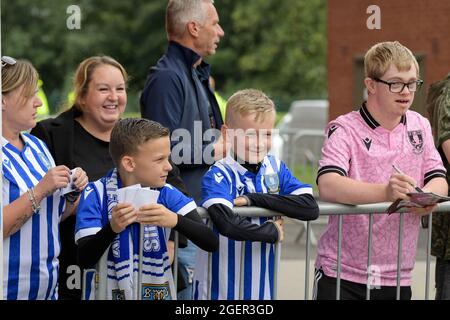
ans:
(356, 168)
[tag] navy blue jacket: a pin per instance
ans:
(177, 95)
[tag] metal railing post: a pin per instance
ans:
(102, 293)
(175, 261)
(308, 232)
(338, 278)
(277, 253)
(138, 287)
(427, 276)
(83, 285)
(208, 276)
(399, 257)
(241, 275)
(369, 257)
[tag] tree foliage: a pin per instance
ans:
(277, 46)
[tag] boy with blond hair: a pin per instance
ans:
(247, 176)
(140, 150)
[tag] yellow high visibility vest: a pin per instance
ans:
(42, 110)
(222, 104)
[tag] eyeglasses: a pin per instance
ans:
(8, 61)
(397, 87)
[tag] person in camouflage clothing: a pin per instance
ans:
(438, 106)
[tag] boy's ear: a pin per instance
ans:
(3, 102)
(127, 163)
(223, 130)
(370, 85)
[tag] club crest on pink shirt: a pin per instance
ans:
(415, 137)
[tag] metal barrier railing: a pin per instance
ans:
(301, 151)
(325, 209)
(371, 209)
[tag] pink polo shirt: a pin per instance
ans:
(359, 148)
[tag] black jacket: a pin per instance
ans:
(58, 134)
(177, 95)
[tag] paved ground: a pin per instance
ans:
(292, 268)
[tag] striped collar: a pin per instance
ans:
(231, 162)
(243, 168)
(370, 120)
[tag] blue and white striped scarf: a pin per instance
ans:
(123, 259)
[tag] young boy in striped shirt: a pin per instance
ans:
(248, 176)
(140, 150)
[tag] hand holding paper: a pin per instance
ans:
(70, 186)
(123, 215)
(77, 182)
(144, 202)
(418, 200)
(158, 215)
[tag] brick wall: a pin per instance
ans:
(421, 25)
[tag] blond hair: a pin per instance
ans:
(249, 101)
(180, 12)
(83, 76)
(18, 74)
(378, 59)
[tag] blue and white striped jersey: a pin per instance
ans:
(92, 215)
(218, 274)
(30, 256)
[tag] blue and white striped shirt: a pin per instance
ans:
(92, 215)
(30, 256)
(218, 274)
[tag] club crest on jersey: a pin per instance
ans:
(272, 182)
(44, 160)
(415, 137)
(156, 291)
(116, 248)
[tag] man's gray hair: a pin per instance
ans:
(180, 12)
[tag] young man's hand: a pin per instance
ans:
(423, 211)
(158, 215)
(122, 216)
(398, 187)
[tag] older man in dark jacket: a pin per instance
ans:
(177, 94)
